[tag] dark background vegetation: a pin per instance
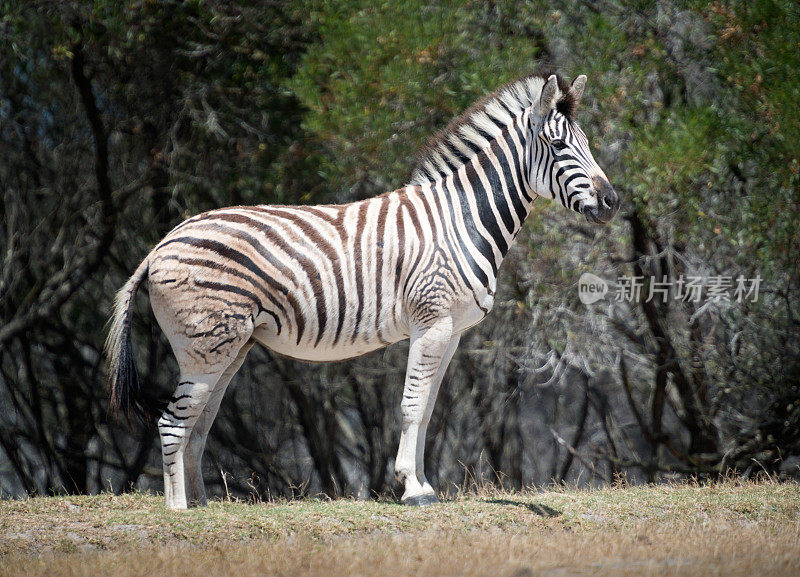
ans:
(120, 119)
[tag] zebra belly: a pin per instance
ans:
(465, 315)
(322, 353)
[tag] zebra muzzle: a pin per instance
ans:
(607, 203)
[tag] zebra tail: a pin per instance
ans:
(123, 380)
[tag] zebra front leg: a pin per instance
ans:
(425, 356)
(192, 459)
(427, 489)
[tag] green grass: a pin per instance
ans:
(655, 524)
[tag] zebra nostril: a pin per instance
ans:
(607, 199)
(611, 203)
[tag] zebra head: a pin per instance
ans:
(560, 163)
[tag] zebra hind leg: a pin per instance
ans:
(175, 427)
(192, 459)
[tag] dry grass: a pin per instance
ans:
(724, 529)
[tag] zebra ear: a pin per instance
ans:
(576, 88)
(547, 100)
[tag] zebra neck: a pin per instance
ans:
(486, 202)
(496, 181)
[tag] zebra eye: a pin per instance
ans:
(558, 144)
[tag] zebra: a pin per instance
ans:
(332, 282)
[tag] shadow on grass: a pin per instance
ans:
(541, 510)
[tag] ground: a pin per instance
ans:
(726, 529)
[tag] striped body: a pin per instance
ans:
(313, 283)
(325, 283)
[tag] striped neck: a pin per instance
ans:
(493, 193)
(485, 121)
(486, 201)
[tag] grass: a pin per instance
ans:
(682, 529)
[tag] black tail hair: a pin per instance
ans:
(125, 391)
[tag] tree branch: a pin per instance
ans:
(62, 286)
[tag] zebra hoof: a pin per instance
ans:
(421, 501)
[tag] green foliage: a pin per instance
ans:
(382, 78)
(759, 56)
(729, 166)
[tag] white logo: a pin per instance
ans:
(591, 288)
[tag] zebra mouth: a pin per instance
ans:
(595, 215)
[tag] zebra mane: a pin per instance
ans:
(474, 129)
